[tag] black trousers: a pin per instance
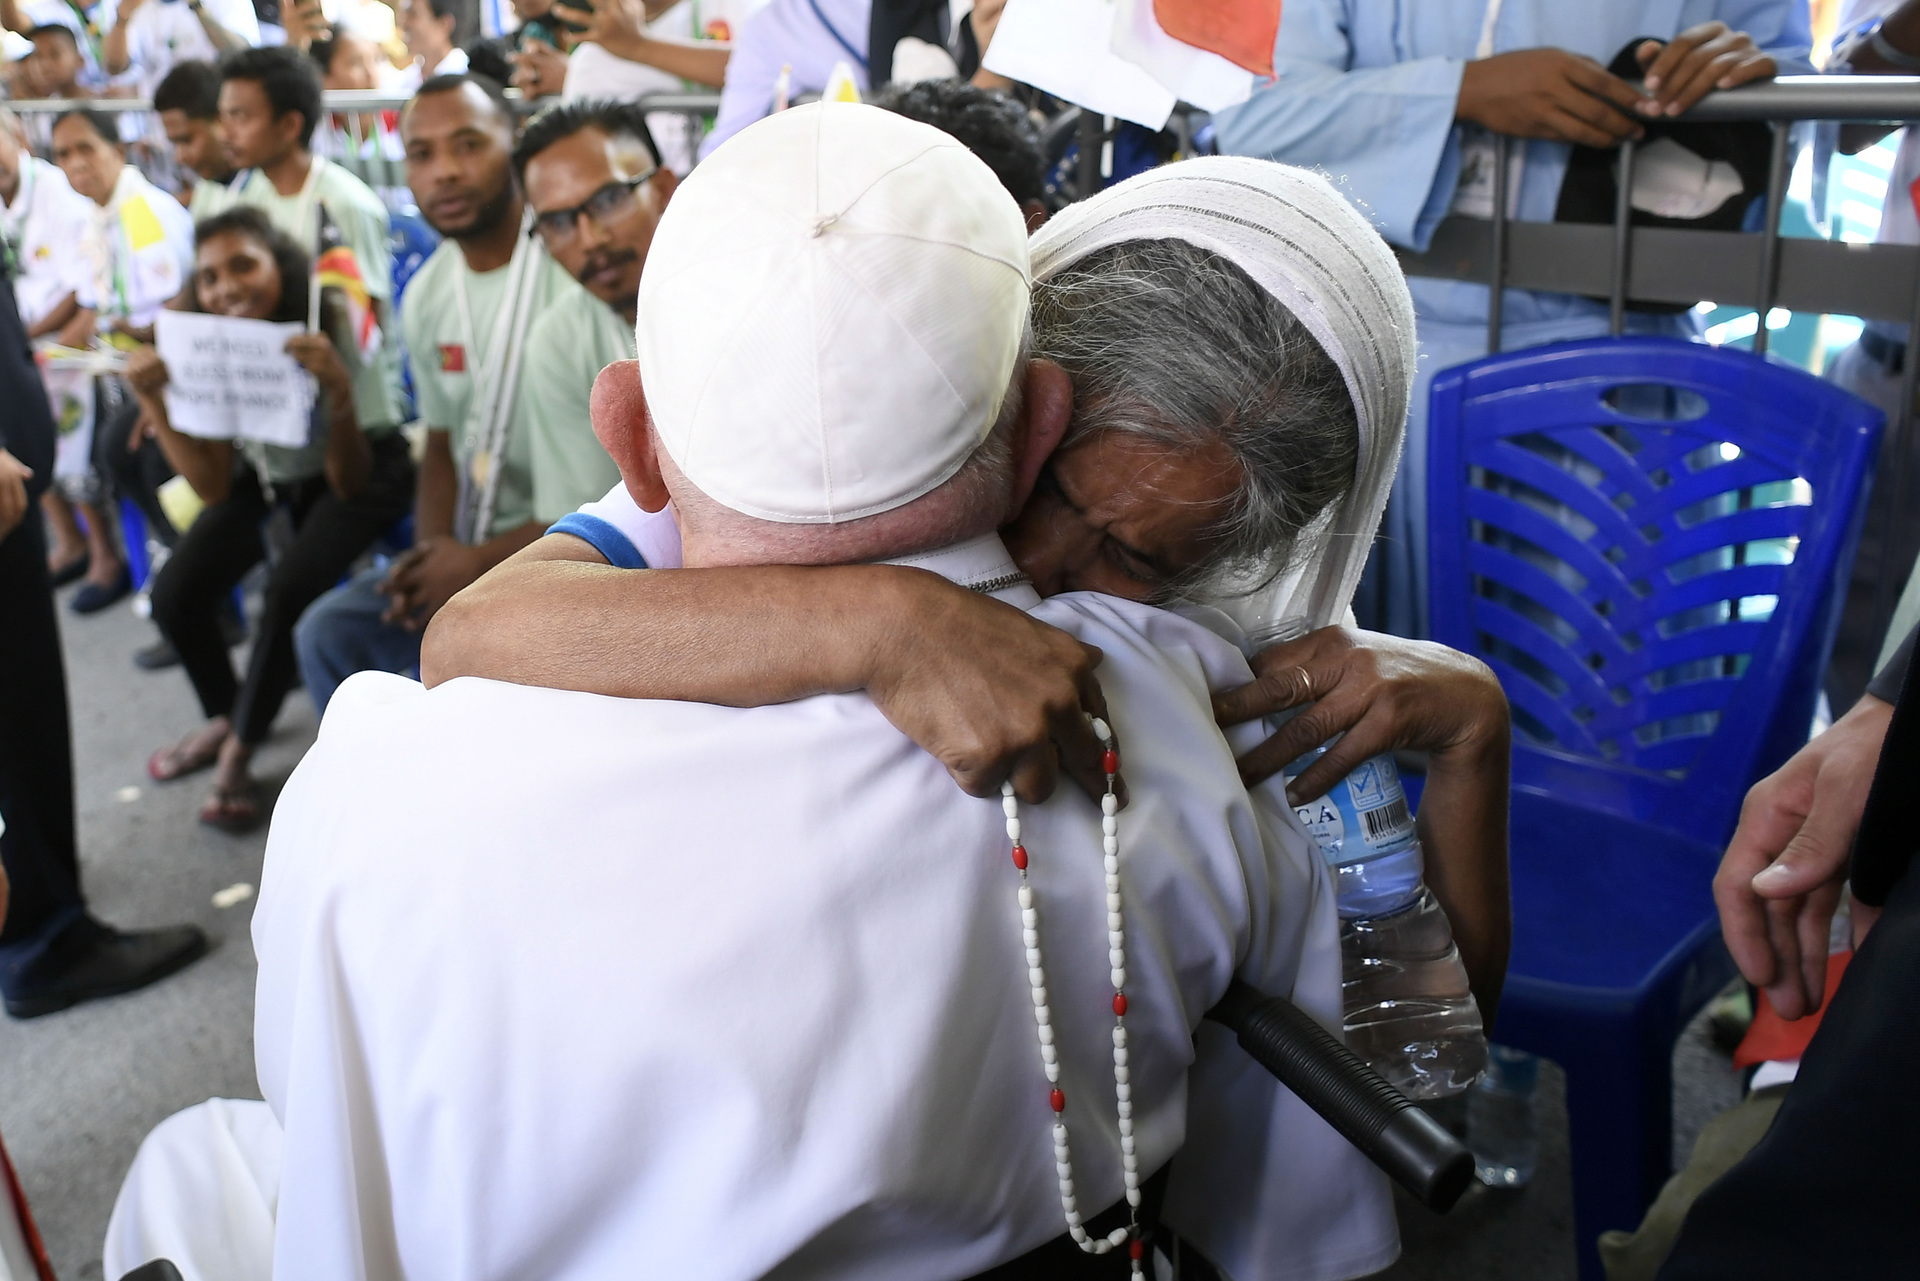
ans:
(36, 753)
(136, 475)
(226, 541)
(1833, 1189)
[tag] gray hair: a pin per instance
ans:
(1176, 344)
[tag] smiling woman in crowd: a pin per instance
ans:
(340, 491)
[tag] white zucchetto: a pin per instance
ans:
(831, 312)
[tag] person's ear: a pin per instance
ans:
(1035, 213)
(1045, 411)
(620, 420)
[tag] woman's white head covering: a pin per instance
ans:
(1301, 241)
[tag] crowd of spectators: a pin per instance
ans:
(452, 425)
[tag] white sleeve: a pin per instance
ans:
(1264, 1187)
(236, 16)
(653, 534)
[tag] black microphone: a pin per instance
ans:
(1416, 1151)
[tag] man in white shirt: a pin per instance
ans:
(712, 992)
(437, 33)
(150, 37)
(87, 22)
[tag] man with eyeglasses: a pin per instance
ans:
(597, 189)
(491, 472)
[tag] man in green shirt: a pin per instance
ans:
(491, 480)
(593, 178)
(187, 100)
(269, 105)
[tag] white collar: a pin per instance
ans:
(981, 564)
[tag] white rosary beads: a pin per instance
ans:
(1128, 1236)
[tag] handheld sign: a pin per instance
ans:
(230, 378)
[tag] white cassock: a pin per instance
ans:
(561, 985)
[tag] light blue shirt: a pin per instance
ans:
(1367, 89)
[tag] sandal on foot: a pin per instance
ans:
(181, 760)
(233, 812)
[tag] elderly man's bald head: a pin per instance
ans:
(993, 483)
(833, 331)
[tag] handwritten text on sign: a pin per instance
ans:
(231, 378)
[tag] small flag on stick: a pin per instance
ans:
(336, 267)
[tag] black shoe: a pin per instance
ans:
(90, 960)
(157, 656)
(72, 570)
(93, 597)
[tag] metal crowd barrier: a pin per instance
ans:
(358, 145)
(1758, 269)
(1619, 262)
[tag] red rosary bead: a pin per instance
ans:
(1058, 1100)
(1119, 1004)
(1020, 857)
(1110, 761)
(1136, 1248)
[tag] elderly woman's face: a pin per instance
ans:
(1119, 514)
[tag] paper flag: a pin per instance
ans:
(1241, 31)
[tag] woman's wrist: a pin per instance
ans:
(886, 606)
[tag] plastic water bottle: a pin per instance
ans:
(1406, 1006)
(1500, 1122)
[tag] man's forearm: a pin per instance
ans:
(1463, 827)
(55, 320)
(702, 61)
(113, 50)
(741, 637)
(1901, 30)
(223, 39)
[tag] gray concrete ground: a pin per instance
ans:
(78, 1090)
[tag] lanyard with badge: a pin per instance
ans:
(490, 409)
(1473, 198)
(307, 203)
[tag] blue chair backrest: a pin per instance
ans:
(1648, 540)
(412, 242)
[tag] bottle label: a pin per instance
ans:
(1364, 817)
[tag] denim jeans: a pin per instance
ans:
(341, 633)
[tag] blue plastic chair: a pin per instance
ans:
(1646, 539)
(412, 242)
